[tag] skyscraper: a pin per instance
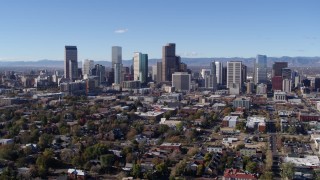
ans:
(170, 62)
(277, 68)
(71, 63)
(117, 64)
(234, 73)
(159, 72)
(99, 71)
(286, 73)
(260, 69)
(219, 72)
(181, 81)
(87, 66)
(140, 67)
(213, 78)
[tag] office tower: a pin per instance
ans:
(286, 73)
(117, 64)
(170, 62)
(250, 87)
(99, 71)
(317, 84)
(213, 75)
(116, 55)
(159, 72)
(140, 67)
(71, 63)
(277, 83)
(117, 73)
(210, 82)
(224, 75)
(277, 68)
(234, 73)
(244, 73)
(306, 82)
(205, 72)
(296, 81)
(260, 69)
(181, 81)
(87, 66)
(286, 85)
(154, 73)
(219, 72)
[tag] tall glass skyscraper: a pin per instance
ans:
(117, 64)
(71, 63)
(140, 67)
(260, 69)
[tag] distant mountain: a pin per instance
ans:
(202, 62)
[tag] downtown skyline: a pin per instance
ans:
(36, 30)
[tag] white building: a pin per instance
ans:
(205, 72)
(117, 63)
(140, 67)
(87, 66)
(261, 89)
(280, 96)
(219, 72)
(254, 121)
(286, 85)
(306, 161)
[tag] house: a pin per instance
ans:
(235, 174)
(170, 146)
(76, 174)
(215, 149)
(248, 152)
(6, 141)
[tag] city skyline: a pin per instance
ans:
(36, 30)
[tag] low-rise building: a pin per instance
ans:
(230, 121)
(244, 102)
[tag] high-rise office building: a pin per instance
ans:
(140, 67)
(117, 73)
(99, 71)
(181, 81)
(260, 69)
(71, 63)
(170, 62)
(154, 73)
(234, 73)
(224, 75)
(87, 67)
(219, 72)
(117, 64)
(116, 55)
(286, 73)
(243, 73)
(277, 68)
(159, 72)
(286, 85)
(213, 75)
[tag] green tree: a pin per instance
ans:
(45, 140)
(136, 170)
(268, 175)
(251, 167)
(200, 170)
(287, 170)
(107, 161)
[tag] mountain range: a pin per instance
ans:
(200, 62)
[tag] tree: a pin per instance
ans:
(136, 170)
(251, 167)
(200, 170)
(268, 175)
(107, 161)
(45, 140)
(162, 170)
(287, 170)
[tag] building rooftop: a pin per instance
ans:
(305, 161)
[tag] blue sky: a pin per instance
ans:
(39, 29)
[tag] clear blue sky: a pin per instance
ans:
(39, 29)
